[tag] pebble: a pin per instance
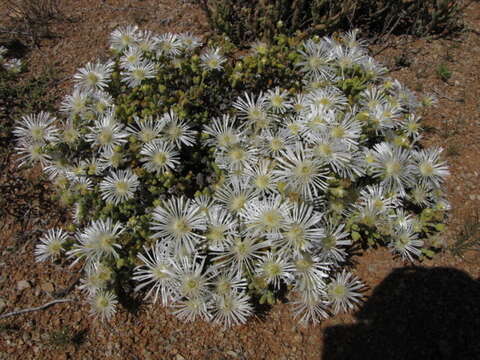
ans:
(179, 357)
(47, 287)
(22, 285)
(2, 304)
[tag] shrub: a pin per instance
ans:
(212, 181)
(244, 21)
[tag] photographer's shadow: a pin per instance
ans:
(415, 313)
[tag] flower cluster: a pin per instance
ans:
(297, 176)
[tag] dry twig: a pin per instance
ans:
(42, 307)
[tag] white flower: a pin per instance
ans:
(177, 221)
(136, 73)
(97, 241)
(263, 179)
(254, 111)
(266, 217)
(327, 98)
(188, 273)
(232, 309)
(189, 42)
(234, 194)
(76, 103)
(274, 269)
(177, 131)
(303, 172)
(103, 304)
(220, 227)
(301, 232)
(159, 157)
(392, 165)
(316, 59)
(192, 308)
(13, 65)
(278, 100)
(429, 169)
(123, 37)
(147, 129)
(97, 278)
(36, 129)
(335, 236)
(156, 272)
(32, 153)
(51, 245)
(119, 186)
(343, 291)
(212, 59)
(131, 57)
(405, 241)
(311, 308)
(310, 275)
(107, 133)
(145, 41)
(241, 253)
(94, 76)
(168, 44)
(224, 131)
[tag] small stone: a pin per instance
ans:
(22, 285)
(179, 357)
(47, 287)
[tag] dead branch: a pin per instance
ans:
(42, 307)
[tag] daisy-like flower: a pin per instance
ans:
(212, 59)
(110, 158)
(278, 100)
(392, 165)
(380, 197)
(405, 242)
(94, 76)
(107, 133)
(145, 41)
(36, 129)
(93, 166)
(227, 282)
(276, 142)
(123, 37)
(136, 73)
(237, 158)
(302, 171)
(147, 129)
(428, 168)
(156, 272)
(232, 309)
(76, 103)
(51, 245)
(351, 40)
(332, 152)
(103, 304)
(301, 232)
(343, 291)
(267, 216)
(347, 57)
(274, 269)
(3, 51)
(177, 221)
(193, 308)
(187, 272)
(168, 44)
(97, 241)
(32, 153)
(310, 274)
(131, 57)
(220, 227)
(263, 179)
(69, 133)
(421, 195)
(159, 157)
(327, 98)
(411, 125)
(254, 111)
(241, 253)
(13, 65)
(346, 130)
(177, 131)
(312, 308)
(373, 69)
(234, 194)
(316, 59)
(101, 103)
(189, 42)
(224, 132)
(335, 237)
(97, 277)
(119, 186)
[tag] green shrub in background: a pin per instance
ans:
(243, 21)
(213, 181)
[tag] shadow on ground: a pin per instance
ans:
(415, 313)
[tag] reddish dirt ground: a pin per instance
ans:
(81, 35)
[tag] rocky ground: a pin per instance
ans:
(145, 331)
